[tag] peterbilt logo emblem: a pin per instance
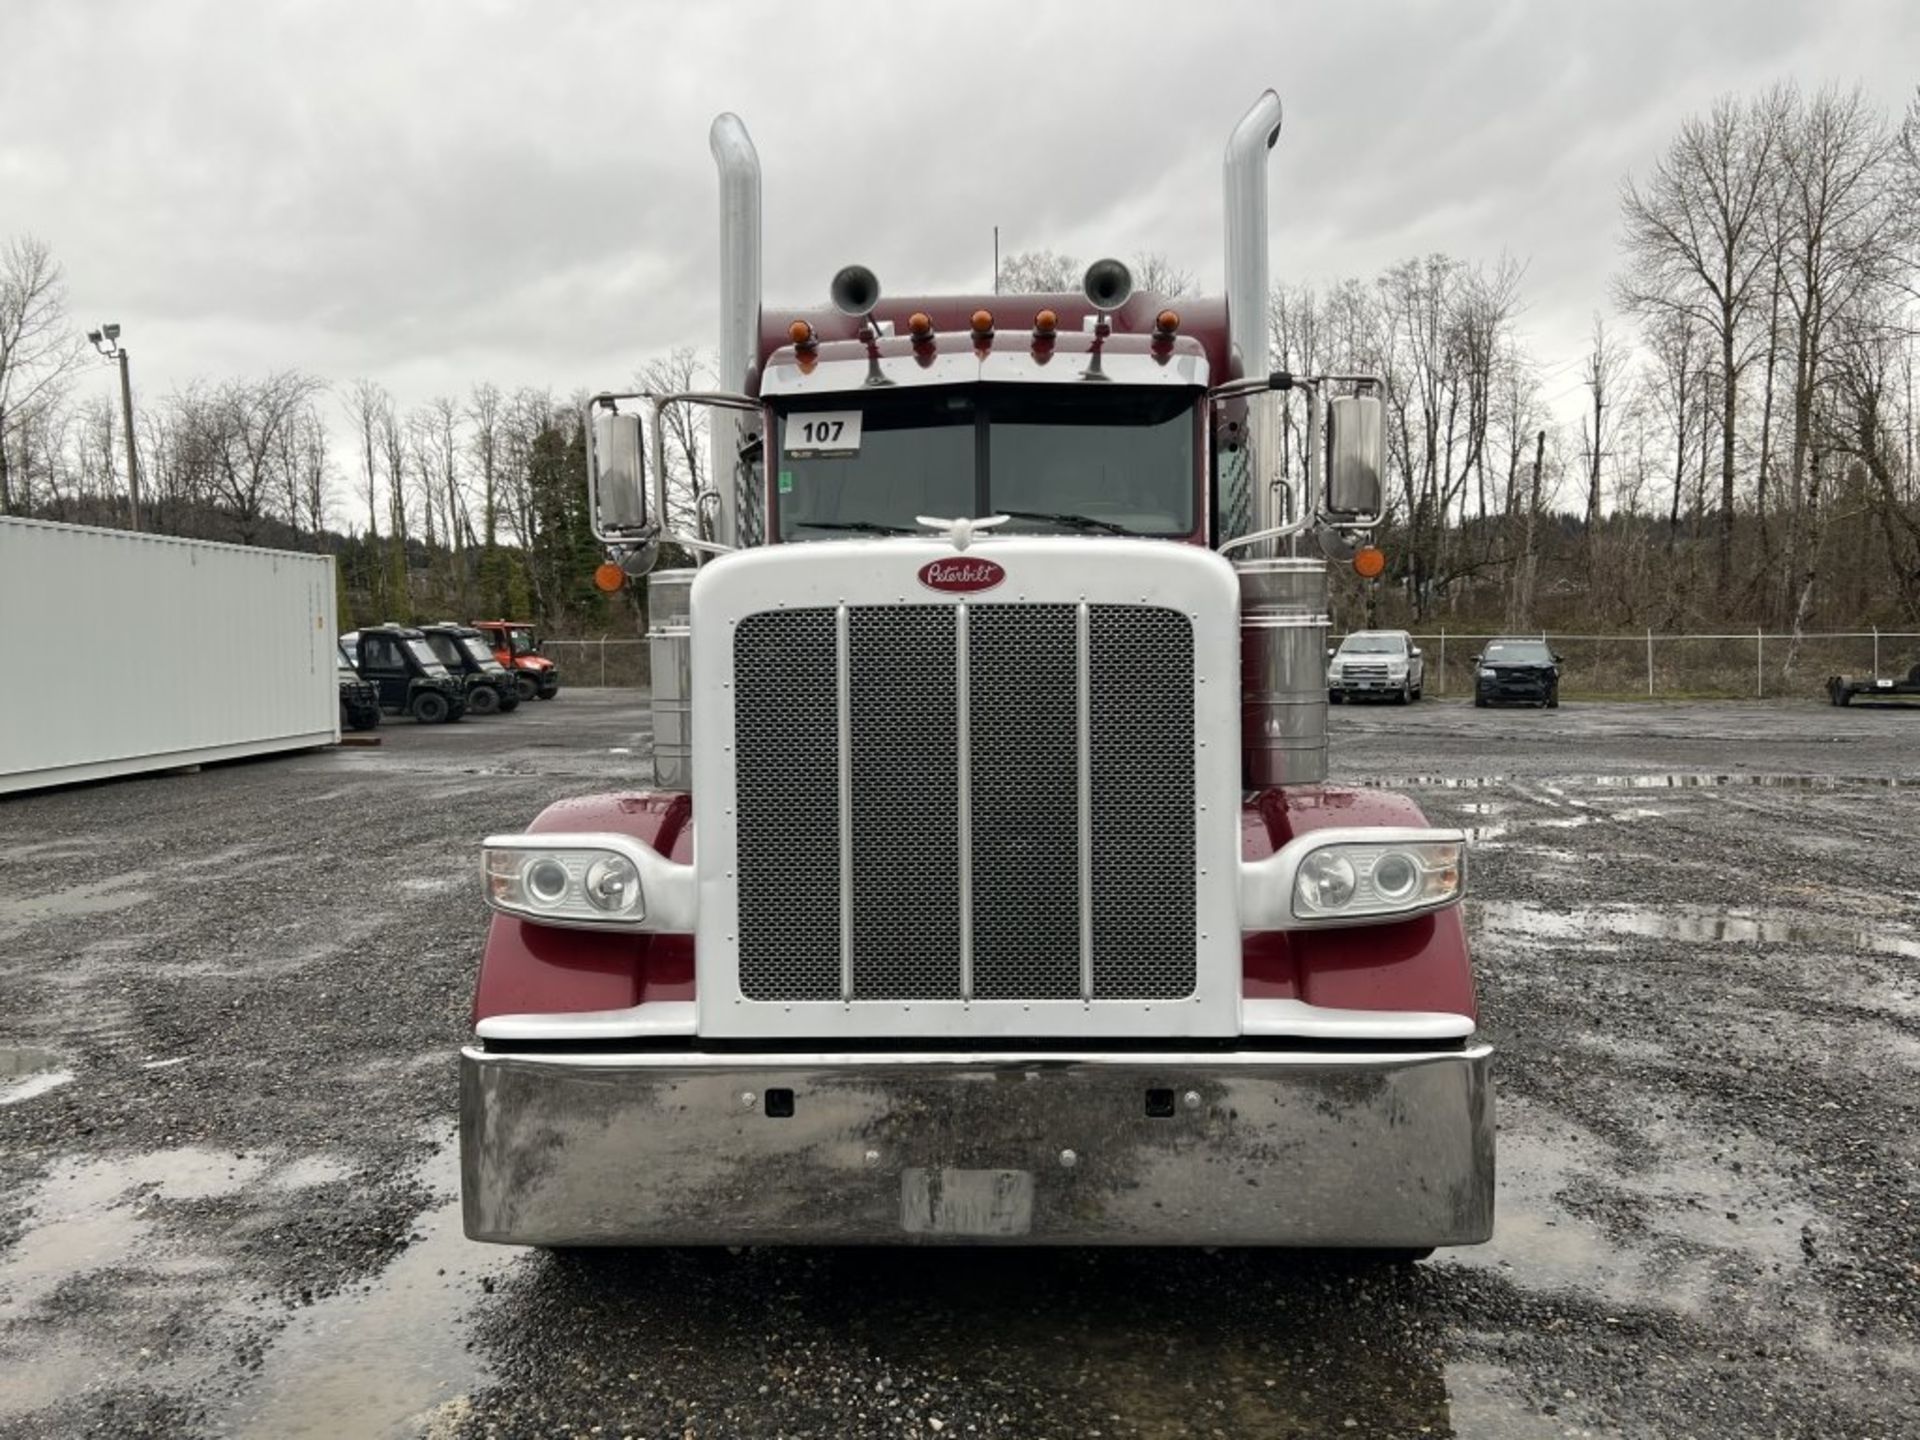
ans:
(963, 576)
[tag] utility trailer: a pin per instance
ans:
(1021, 910)
(1844, 689)
(91, 629)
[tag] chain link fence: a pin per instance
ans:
(1753, 664)
(607, 660)
(1749, 665)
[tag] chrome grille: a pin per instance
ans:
(1017, 794)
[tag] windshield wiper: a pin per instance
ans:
(1072, 522)
(864, 527)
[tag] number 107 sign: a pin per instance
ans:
(823, 432)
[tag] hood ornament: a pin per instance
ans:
(960, 530)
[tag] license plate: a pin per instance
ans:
(966, 1202)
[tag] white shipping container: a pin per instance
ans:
(127, 652)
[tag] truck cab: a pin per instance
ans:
(517, 647)
(410, 678)
(990, 887)
(464, 651)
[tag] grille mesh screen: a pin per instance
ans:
(1026, 796)
(787, 741)
(906, 852)
(1140, 679)
(1024, 756)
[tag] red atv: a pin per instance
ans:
(518, 648)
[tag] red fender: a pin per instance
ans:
(543, 970)
(1417, 964)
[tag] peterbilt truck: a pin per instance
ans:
(990, 888)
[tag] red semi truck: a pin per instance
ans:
(992, 889)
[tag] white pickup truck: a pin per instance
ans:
(1376, 662)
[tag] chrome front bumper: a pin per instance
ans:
(1261, 1147)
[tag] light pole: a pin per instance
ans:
(110, 347)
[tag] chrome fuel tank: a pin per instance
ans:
(1283, 680)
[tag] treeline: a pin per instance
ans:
(1746, 448)
(1744, 451)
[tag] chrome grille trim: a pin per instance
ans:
(843, 703)
(768, 942)
(963, 800)
(1083, 747)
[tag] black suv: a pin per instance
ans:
(411, 678)
(359, 699)
(464, 652)
(1517, 669)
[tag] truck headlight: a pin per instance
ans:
(1353, 876)
(1486, 674)
(590, 882)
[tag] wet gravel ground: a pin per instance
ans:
(229, 1003)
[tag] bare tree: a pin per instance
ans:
(1838, 233)
(1037, 272)
(686, 434)
(1153, 272)
(1696, 246)
(39, 348)
(248, 429)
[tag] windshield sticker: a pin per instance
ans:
(786, 482)
(823, 432)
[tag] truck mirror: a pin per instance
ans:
(1416, 650)
(617, 472)
(1357, 446)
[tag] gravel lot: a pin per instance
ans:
(229, 1003)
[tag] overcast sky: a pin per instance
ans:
(434, 194)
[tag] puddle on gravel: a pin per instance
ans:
(1690, 781)
(1681, 780)
(387, 1357)
(1713, 1215)
(117, 893)
(27, 1071)
(1699, 924)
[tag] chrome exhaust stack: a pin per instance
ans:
(739, 166)
(1283, 599)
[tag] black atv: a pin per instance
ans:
(462, 649)
(411, 679)
(359, 699)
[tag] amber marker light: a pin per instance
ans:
(1045, 323)
(609, 578)
(1369, 562)
(982, 324)
(1167, 321)
(800, 333)
(920, 325)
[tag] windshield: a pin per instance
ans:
(423, 652)
(1057, 460)
(522, 641)
(445, 649)
(1519, 652)
(478, 652)
(1373, 645)
(350, 651)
